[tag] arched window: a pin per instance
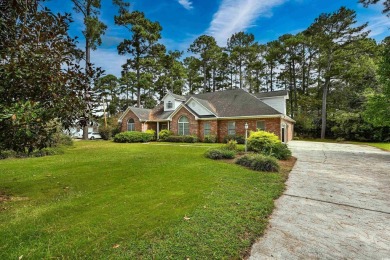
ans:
(169, 104)
(184, 126)
(130, 125)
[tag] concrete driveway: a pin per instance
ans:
(336, 206)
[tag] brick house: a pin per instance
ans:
(216, 113)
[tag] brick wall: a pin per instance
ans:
(194, 128)
(213, 128)
(271, 125)
(137, 123)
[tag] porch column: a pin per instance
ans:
(169, 128)
(158, 129)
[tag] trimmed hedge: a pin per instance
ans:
(259, 162)
(133, 137)
(181, 139)
(210, 139)
(240, 139)
(268, 144)
(217, 154)
(164, 134)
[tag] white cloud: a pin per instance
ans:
(238, 15)
(109, 60)
(187, 4)
(379, 27)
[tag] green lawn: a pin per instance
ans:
(108, 200)
(383, 146)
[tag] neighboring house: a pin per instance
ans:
(216, 113)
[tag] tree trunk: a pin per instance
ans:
(86, 92)
(138, 83)
(323, 112)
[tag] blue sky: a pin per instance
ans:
(184, 20)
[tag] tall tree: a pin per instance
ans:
(332, 34)
(144, 35)
(239, 46)
(377, 109)
(93, 30)
(206, 47)
(36, 89)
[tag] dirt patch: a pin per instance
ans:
(4, 197)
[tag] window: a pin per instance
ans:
(260, 125)
(169, 104)
(130, 125)
(231, 128)
(184, 126)
(206, 128)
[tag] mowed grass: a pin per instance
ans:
(132, 201)
(383, 146)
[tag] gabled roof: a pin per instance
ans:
(175, 96)
(278, 93)
(158, 113)
(237, 102)
(141, 113)
(207, 105)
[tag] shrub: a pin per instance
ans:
(46, 152)
(217, 154)
(152, 132)
(210, 139)
(239, 138)
(245, 160)
(181, 139)
(190, 139)
(59, 139)
(133, 137)
(231, 145)
(280, 151)
(259, 162)
(262, 142)
(164, 134)
(7, 154)
(105, 132)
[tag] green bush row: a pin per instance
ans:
(5, 154)
(181, 139)
(133, 137)
(217, 154)
(259, 162)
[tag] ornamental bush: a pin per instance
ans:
(231, 145)
(152, 132)
(133, 137)
(259, 162)
(210, 139)
(105, 132)
(262, 142)
(280, 151)
(217, 154)
(240, 139)
(164, 134)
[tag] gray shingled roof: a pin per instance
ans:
(158, 113)
(272, 94)
(206, 104)
(177, 96)
(238, 102)
(141, 113)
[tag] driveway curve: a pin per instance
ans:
(336, 205)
